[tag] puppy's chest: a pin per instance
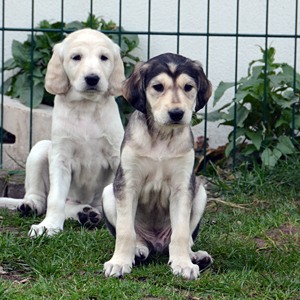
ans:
(90, 155)
(157, 184)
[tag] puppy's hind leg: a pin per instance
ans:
(37, 180)
(141, 249)
(109, 209)
(201, 258)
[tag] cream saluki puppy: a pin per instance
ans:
(65, 177)
(155, 202)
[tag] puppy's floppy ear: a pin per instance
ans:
(115, 82)
(56, 80)
(204, 89)
(133, 88)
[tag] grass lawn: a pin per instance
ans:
(253, 238)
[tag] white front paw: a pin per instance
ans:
(187, 270)
(116, 269)
(50, 229)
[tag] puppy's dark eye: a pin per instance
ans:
(76, 57)
(104, 58)
(188, 88)
(158, 87)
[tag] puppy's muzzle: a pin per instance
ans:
(176, 114)
(92, 80)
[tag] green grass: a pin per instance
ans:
(255, 250)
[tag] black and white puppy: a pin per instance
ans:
(156, 203)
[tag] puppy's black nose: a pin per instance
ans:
(176, 114)
(92, 79)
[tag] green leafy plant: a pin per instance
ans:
(19, 84)
(271, 141)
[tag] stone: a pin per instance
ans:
(15, 190)
(16, 120)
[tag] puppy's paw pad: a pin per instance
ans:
(205, 262)
(26, 209)
(87, 209)
(89, 217)
(202, 259)
(83, 218)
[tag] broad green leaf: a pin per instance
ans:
(252, 83)
(95, 21)
(220, 90)
(280, 122)
(19, 83)
(240, 95)
(250, 66)
(128, 68)
(297, 122)
(287, 101)
(37, 96)
(230, 146)
(21, 53)
(269, 157)
(289, 71)
(135, 58)
(256, 71)
(285, 145)
(9, 64)
(37, 72)
(195, 120)
(290, 95)
(241, 114)
(238, 132)
(249, 149)
(215, 116)
(74, 25)
(6, 85)
(37, 55)
(256, 138)
(228, 149)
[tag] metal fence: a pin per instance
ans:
(207, 34)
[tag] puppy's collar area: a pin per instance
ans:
(159, 131)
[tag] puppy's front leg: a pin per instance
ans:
(179, 248)
(60, 180)
(123, 257)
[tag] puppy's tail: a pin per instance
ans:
(10, 203)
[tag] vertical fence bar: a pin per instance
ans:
(235, 81)
(62, 21)
(2, 85)
(149, 28)
(178, 25)
(266, 73)
(31, 72)
(206, 72)
(91, 14)
(295, 70)
(120, 22)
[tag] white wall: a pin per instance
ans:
(193, 19)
